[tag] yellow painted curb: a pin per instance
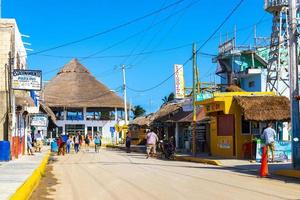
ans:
(198, 160)
(26, 189)
(288, 172)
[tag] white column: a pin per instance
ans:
(177, 135)
(84, 113)
(116, 114)
(65, 114)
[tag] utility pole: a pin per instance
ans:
(194, 99)
(124, 93)
(294, 85)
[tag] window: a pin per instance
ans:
(100, 114)
(245, 127)
(100, 129)
(93, 115)
(59, 114)
(74, 114)
(120, 114)
(74, 128)
(251, 84)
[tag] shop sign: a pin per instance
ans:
(226, 46)
(204, 96)
(223, 144)
(39, 120)
(283, 150)
(179, 81)
(26, 79)
(213, 107)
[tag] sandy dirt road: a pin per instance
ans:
(112, 175)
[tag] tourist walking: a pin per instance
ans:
(269, 135)
(97, 142)
(128, 143)
(87, 142)
(39, 141)
(29, 144)
(76, 142)
(151, 142)
(69, 142)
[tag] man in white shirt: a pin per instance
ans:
(39, 141)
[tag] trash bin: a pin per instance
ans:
(4, 151)
(54, 147)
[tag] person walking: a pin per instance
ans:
(151, 142)
(97, 142)
(39, 141)
(269, 135)
(76, 142)
(69, 142)
(128, 143)
(87, 142)
(29, 145)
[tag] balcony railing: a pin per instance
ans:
(275, 3)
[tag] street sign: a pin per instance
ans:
(27, 80)
(39, 120)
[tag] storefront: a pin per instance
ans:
(238, 118)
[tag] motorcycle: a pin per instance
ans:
(167, 149)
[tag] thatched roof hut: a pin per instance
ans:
(75, 86)
(234, 88)
(142, 121)
(264, 108)
(166, 110)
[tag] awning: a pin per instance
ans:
(48, 111)
(264, 108)
(188, 116)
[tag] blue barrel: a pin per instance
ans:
(54, 147)
(4, 151)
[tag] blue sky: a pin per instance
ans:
(53, 22)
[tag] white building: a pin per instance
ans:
(14, 113)
(83, 104)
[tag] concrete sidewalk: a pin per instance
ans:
(14, 173)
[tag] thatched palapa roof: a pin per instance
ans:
(142, 121)
(75, 86)
(264, 108)
(234, 88)
(166, 110)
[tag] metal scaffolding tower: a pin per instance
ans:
(277, 70)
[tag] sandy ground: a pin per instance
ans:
(112, 175)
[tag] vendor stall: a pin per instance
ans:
(238, 119)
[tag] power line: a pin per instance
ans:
(149, 52)
(110, 29)
(143, 36)
(206, 41)
(161, 40)
(142, 31)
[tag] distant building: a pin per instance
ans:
(246, 68)
(14, 105)
(83, 104)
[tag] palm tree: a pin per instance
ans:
(138, 111)
(169, 98)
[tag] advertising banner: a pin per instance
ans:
(283, 150)
(39, 120)
(179, 81)
(27, 79)
(226, 46)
